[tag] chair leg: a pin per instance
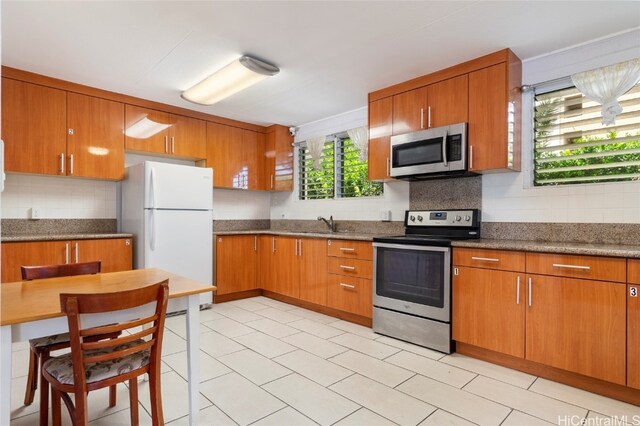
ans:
(56, 413)
(112, 396)
(44, 393)
(133, 401)
(157, 417)
(32, 379)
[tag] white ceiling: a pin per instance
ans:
(331, 54)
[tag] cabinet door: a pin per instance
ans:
(236, 263)
(380, 123)
(15, 255)
(577, 325)
(95, 138)
(146, 130)
(266, 259)
(488, 309)
(34, 128)
(409, 111)
(313, 270)
(286, 265)
(252, 159)
(448, 102)
(633, 336)
(350, 294)
(269, 161)
(114, 254)
(188, 137)
(283, 179)
(487, 134)
(224, 155)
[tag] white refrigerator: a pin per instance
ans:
(168, 209)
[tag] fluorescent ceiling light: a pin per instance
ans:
(145, 128)
(238, 75)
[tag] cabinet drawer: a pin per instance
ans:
(490, 259)
(350, 294)
(633, 271)
(350, 249)
(351, 267)
(576, 266)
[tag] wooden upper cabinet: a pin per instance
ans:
(236, 263)
(252, 149)
(495, 117)
(278, 159)
(146, 130)
(409, 111)
(447, 102)
(224, 155)
(577, 325)
(380, 127)
(187, 137)
(34, 128)
(95, 141)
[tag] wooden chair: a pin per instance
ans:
(41, 348)
(94, 365)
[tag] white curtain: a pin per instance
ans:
(360, 138)
(315, 146)
(605, 85)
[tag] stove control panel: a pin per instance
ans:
(461, 218)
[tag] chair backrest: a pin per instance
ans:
(65, 270)
(138, 304)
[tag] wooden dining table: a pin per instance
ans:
(31, 309)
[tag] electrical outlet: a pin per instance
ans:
(283, 215)
(385, 215)
(34, 213)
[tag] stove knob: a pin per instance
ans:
(419, 218)
(458, 218)
(467, 218)
(412, 218)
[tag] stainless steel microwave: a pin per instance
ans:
(437, 152)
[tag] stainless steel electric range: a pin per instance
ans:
(412, 276)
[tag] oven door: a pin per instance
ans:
(413, 279)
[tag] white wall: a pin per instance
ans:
(288, 206)
(510, 197)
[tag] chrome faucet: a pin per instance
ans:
(330, 224)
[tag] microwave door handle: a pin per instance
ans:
(444, 149)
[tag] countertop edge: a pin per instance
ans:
(62, 237)
(334, 236)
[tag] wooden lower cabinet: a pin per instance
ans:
(350, 294)
(312, 255)
(236, 263)
(488, 309)
(115, 254)
(286, 267)
(577, 325)
(633, 335)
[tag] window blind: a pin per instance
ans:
(316, 184)
(352, 174)
(573, 146)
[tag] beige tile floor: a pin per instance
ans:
(264, 362)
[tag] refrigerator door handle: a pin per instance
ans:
(152, 184)
(152, 225)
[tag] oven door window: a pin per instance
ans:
(427, 151)
(416, 276)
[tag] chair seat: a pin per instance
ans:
(61, 367)
(54, 339)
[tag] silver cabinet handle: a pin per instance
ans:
(296, 248)
(166, 144)
(66, 253)
(429, 117)
(272, 181)
(62, 163)
(485, 259)
(530, 292)
(347, 285)
(347, 249)
(273, 244)
(518, 291)
(255, 243)
(560, 265)
(76, 252)
(300, 250)
(348, 268)
(422, 118)
(70, 164)
(173, 144)
(470, 157)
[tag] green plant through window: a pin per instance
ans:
(573, 146)
(342, 174)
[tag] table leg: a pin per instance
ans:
(193, 356)
(5, 374)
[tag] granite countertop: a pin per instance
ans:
(335, 235)
(613, 250)
(62, 237)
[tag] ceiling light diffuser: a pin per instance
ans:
(238, 75)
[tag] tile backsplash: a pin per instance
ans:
(58, 197)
